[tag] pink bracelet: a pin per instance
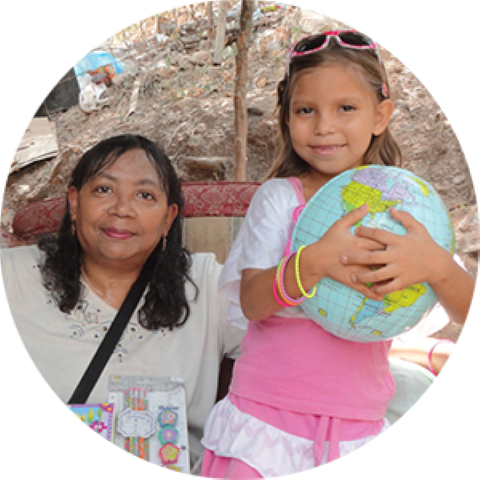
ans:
(275, 293)
(281, 285)
(430, 354)
(278, 288)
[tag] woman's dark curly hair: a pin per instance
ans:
(165, 302)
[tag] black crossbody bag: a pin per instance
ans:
(106, 347)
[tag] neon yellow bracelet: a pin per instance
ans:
(297, 276)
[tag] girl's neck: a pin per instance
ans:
(311, 183)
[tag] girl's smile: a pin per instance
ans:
(333, 116)
(326, 150)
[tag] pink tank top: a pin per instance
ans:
(294, 364)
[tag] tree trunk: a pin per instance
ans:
(220, 35)
(241, 120)
(210, 30)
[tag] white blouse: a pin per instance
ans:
(260, 243)
(62, 344)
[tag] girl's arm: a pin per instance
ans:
(454, 288)
(410, 259)
(318, 260)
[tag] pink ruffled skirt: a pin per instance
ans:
(245, 439)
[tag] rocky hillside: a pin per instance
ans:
(171, 93)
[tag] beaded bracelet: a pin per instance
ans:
(281, 284)
(297, 276)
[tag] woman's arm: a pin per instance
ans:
(419, 349)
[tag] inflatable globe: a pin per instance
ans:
(341, 310)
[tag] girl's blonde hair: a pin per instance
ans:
(383, 149)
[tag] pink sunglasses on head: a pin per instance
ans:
(345, 38)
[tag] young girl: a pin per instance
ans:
(300, 396)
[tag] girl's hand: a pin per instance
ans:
(319, 259)
(325, 256)
(405, 260)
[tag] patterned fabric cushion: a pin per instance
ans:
(220, 199)
(202, 199)
(38, 218)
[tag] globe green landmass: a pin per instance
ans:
(344, 311)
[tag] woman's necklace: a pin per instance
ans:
(89, 284)
(111, 296)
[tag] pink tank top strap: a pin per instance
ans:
(297, 187)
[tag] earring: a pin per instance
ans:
(164, 243)
(384, 90)
(73, 228)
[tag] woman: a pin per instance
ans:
(123, 206)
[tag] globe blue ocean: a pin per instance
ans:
(341, 310)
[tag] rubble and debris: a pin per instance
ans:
(38, 143)
(171, 93)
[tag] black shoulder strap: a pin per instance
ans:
(105, 349)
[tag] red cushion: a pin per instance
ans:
(202, 199)
(220, 199)
(38, 218)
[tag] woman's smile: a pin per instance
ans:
(117, 234)
(122, 213)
